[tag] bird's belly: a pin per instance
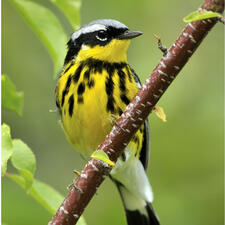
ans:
(90, 122)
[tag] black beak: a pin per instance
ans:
(128, 34)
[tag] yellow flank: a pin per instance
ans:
(84, 99)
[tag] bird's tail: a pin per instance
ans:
(138, 211)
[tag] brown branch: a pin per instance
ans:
(135, 114)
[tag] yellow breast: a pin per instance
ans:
(90, 94)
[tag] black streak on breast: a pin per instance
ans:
(71, 104)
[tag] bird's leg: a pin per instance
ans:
(160, 46)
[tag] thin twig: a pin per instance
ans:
(160, 45)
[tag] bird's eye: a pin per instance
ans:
(102, 35)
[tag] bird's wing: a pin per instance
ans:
(145, 151)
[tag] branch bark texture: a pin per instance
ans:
(135, 114)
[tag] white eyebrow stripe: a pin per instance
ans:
(88, 29)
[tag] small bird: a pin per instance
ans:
(95, 85)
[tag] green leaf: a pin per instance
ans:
(24, 161)
(47, 27)
(200, 15)
(71, 9)
(11, 99)
(7, 147)
(47, 196)
(101, 155)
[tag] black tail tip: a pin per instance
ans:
(137, 218)
(151, 214)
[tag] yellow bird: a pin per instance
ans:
(95, 85)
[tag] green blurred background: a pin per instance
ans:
(186, 168)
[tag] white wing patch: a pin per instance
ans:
(87, 29)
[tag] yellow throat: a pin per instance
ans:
(115, 51)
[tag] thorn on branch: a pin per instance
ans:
(222, 19)
(113, 121)
(160, 46)
(76, 172)
(70, 186)
(77, 188)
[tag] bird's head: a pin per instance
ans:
(105, 39)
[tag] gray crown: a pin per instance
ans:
(98, 25)
(108, 23)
